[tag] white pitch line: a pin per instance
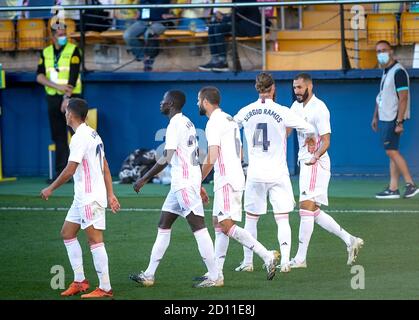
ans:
(207, 210)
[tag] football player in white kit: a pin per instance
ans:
(92, 194)
(265, 126)
(224, 155)
(314, 164)
(184, 197)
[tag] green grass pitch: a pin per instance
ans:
(30, 245)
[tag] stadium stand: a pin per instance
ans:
(31, 34)
(315, 46)
(382, 26)
(313, 38)
(409, 28)
(7, 35)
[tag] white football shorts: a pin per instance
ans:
(280, 195)
(183, 201)
(89, 215)
(314, 181)
(227, 204)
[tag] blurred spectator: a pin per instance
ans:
(72, 14)
(219, 26)
(96, 19)
(10, 14)
(150, 24)
(248, 21)
(193, 19)
(125, 17)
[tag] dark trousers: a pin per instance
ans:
(217, 32)
(58, 128)
(216, 37)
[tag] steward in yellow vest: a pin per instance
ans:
(59, 73)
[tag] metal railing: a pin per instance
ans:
(233, 6)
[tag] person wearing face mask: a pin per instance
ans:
(314, 163)
(59, 72)
(392, 108)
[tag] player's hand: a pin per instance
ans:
(374, 124)
(311, 144)
(312, 161)
(399, 129)
(46, 193)
(204, 195)
(114, 203)
(64, 105)
(139, 184)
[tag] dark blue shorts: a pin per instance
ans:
(389, 138)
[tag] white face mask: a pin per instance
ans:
(383, 58)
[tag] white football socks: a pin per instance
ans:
(284, 236)
(100, 260)
(159, 248)
(221, 247)
(246, 239)
(304, 235)
(76, 258)
(251, 226)
(328, 223)
(206, 249)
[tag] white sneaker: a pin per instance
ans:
(271, 266)
(285, 267)
(295, 265)
(353, 249)
(219, 281)
(207, 283)
(247, 267)
(141, 278)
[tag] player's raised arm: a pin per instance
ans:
(294, 121)
(161, 163)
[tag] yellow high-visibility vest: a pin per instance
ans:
(63, 65)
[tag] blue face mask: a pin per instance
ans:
(383, 58)
(62, 41)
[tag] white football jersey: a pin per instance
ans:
(223, 131)
(86, 148)
(265, 123)
(181, 137)
(316, 113)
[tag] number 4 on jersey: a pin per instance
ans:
(260, 137)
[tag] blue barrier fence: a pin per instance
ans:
(129, 117)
